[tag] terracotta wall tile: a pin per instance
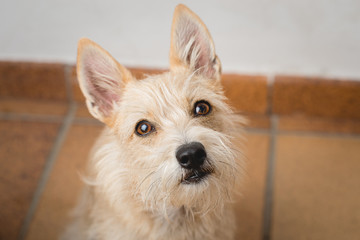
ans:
(36, 107)
(246, 93)
(83, 112)
(310, 96)
(32, 80)
(77, 94)
(316, 97)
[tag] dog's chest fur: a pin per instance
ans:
(125, 224)
(98, 217)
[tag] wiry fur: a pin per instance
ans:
(134, 188)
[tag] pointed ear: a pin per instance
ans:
(191, 44)
(101, 79)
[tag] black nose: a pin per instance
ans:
(191, 155)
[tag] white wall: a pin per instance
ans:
(310, 37)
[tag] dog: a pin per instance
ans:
(167, 165)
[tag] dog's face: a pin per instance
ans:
(173, 132)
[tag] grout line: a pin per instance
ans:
(30, 117)
(257, 130)
(47, 170)
(300, 133)
(268, 205)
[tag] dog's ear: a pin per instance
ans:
(101, 79)
(191, 44)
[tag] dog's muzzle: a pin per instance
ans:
(191, 156)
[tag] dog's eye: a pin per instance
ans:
(202, 108)
(143, 128)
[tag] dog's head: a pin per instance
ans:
(173, 132)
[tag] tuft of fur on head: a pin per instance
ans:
(133, 177)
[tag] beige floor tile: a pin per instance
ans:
(64, 184)
(317, 188)
(58, 197)
(250, 206)
(24, 147)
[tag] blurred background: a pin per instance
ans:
(312, 37)
(291, 67)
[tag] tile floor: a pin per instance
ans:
(300, 184)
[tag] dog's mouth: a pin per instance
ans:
(195, 176)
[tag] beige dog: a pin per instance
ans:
(166, 166)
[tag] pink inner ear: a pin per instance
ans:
(102, 81)
(188, 30)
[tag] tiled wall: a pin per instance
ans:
(252, 94)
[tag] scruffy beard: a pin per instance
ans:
(155, 180)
